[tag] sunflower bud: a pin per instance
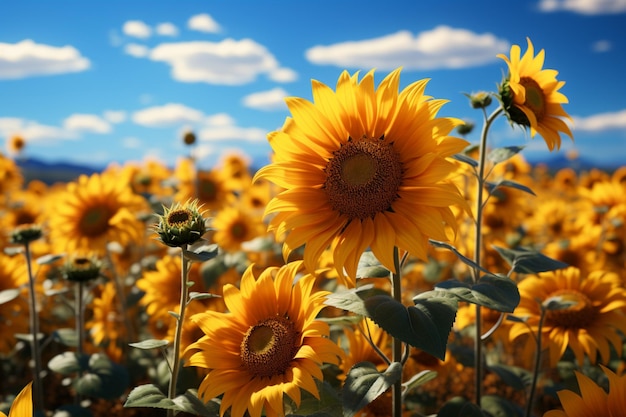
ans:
(189, 138)
(514, 114)
(181, 224)
(480, 100)
(465, 128)
(82, 268)
(26, 233)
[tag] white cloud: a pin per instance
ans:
(137, 29)
(219, 119)
(87, 123)
(131, 142)
(228, 62)
(166, 29)
(33, 131)
(283, 75)
(203, 23)
(136, 50)
(442, 47)
(601, 46)
(27, 58)
(167, 115)
(273, 99)
(601, 121)
(222, 133)
(115, 116)
(588, 7)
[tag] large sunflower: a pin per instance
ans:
(531, 95)
(267, 345)
(94, 211)
(593, 399)
(363, 167)
(588, 327)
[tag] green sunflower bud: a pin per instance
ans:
(514, 114)
(26, 233)
(181, 224)
(189, 138)
(82, 268)
(480, 100)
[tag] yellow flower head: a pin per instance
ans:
(531, 96)
(269, 343)
(588, 326)
(23, 404)
(363, 167)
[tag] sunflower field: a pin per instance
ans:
(379, 265)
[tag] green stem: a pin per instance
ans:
(478, 247)
(396, 292)
(38, 401)
(184, 295)
(533, 386)
(80, 318)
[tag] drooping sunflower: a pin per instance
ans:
(94, 211)
(588, 327)
(531, 96)
(363, 167)
(269, 343)
(593, 400)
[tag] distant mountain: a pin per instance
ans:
(560, 161)
(53, 172)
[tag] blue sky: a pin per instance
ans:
(117, 81)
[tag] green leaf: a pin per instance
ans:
(557, 303)
(68, 363)
(419, 379)
(529, 261)
(370, 267)
(201, 296)
(496, 292)
(152, 397)
(513, 376)
(66, 336)
(174, 314)
(467, 261)
(8, 295)
(460, 407)
(498, 155)
(13, 250)
(103, 379)
(433, 315)
(48, 259)
(202, 253)
(353, 299)
(150, 344)
(465, 159)
(365, 383)
(516, 185)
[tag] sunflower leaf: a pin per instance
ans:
(494, 405)
(370, 267)
(67, 336)
(201, 296)
(465, 159)
(353, 300)
(433, 315)
(513, 376)
(495, 292)
(67, 363)
(529, 261)
(49, 259)
(516, 185)
(202, 253)
(419, 379)
(467, 261)
(150, 344)
(150, 396)
(365, 383)
(498, 155)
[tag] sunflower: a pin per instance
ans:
(23, 403)
(588, 327)
(94, 211)
(593, 400)
(363, 167)
(107, 327)
(267, 345)
(11, 178)
(234, 226)
(14, 313)
(206, 186)
(16, 144)
(531, 96)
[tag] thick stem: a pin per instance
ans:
(478, 247)
(38, 401)
(184, 295)
(396, 292)
(533, 385)
(80, 317)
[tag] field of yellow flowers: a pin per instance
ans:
(379, 265)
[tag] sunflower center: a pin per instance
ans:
(238, 230)
(269, 346)
(535, 98)
(579, 315)
(363, 178)
(178, 218)
(207, 189)
(95, 221)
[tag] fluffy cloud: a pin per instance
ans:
(87, 123)
(170, 114)
(229, 62)
(27, 58)
(137, 29)
(33, 131)
(203, 23)
(442, 47)
(601, 46)
(273, 99)
(166, 29)
(601, 121)
(223, 133)
(114, 116)
(588, 7)
(136, 50)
